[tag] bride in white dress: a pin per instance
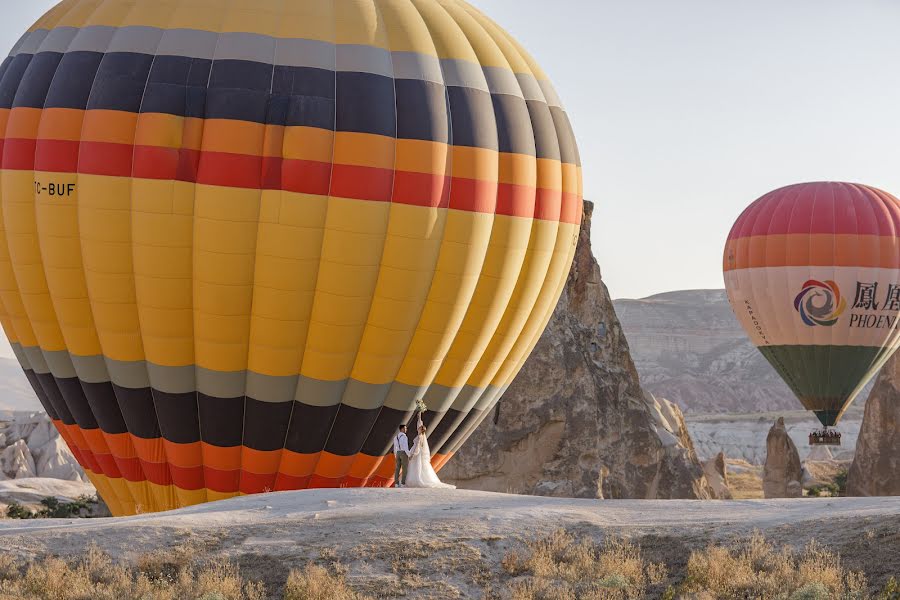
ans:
(421, 474)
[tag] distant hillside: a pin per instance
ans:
(689, 347)
(15, 391)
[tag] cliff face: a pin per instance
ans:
(576, 422)
(876, 466)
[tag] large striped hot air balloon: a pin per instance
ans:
(241, 238)
(812, 272)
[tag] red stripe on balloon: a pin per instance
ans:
(292, 175)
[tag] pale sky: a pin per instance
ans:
(687, 111)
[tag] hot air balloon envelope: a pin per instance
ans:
(240, 239)
(812, 272)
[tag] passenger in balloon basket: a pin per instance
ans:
(825, 437)
(413, 466)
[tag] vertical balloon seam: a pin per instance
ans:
(21, 355)
(428, 293)
(39, 351)
(170, 492)
(129, 485)
(488, 394)
(241, 453)
(195, 254)
(151, 489)
(348, 382)
(469, 29)
(298, 395)
(468, 428)
(111, 470)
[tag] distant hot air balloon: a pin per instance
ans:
(240, 239)
(812, 272)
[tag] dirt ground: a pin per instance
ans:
(449, 544)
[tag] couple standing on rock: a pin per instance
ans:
(413, 467)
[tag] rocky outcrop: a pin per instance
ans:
(876, 466)
(716, 471)
(575, 421)
(783, 472)
(30, 447)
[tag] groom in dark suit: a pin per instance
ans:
(401, 457)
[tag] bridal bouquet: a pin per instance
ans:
(420, 405)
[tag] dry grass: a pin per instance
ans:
(316, 583)
(94, 576)
(757, 569)
(560, 567)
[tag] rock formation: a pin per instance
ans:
(716, 473)
(576, 422)
(783, 472)
(876, 467)
(30, 446)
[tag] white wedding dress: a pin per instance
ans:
(421, 474)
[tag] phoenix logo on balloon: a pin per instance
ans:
(820, 303)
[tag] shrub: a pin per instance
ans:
(316, 583)
(52, 508)
(756, 569)
(559, 566)
(95, 576)
(891, 590)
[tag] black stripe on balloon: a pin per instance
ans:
(41, 394)
(422, 111)
(459, 433)
(309, 427)
(72, 80)
(546, 140)
(229, 422)
(366, 104)
(350, 429)
(32, 89)
(266, 424)
(120, 81)
(444, 427)
(138, 411)
(55, 398)
(5, 65)
(104, 406)
(73, 395)
(514, 132)
(177, 414)
(12, 78)
(568, 149)
(221, 420)
(380, 438)
(472, 118)
(292, 96)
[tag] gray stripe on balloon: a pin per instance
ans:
(264, 388)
